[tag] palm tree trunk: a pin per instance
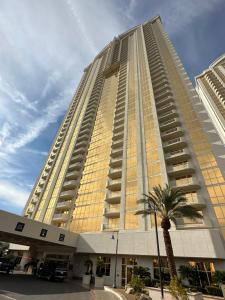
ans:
(169, 253)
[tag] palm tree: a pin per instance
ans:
(169, 204)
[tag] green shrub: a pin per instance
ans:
(148, 281)
(214, 291)
(219, 277)
(177, 290)
(137, 284)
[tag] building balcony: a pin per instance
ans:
(75, 166)
(120, 101)
(50, 162)
(60, 218)
(72, 175)
(83, 137)
(158, 79)
(70, 184)
(44, 175)
(84, 132)
(165, 108)
(119, 122)
(186, 184)
(52, 155)
(117, 144)
(177, 156)
(174, 144)
(182, 168)
(165, 101)
(107, 227)
(79, 150)
(67, 195)
(47, 168)
(34, 200)
(172, 133)
(37, 191)
(112, 212)
(114, 185)
(118, 136)
(116, 162)
(113, 197)
(173, 122)
(64, 205)
(115, 173)
(119, 115)
(82, 144)
(161, 83)
(30, 210)
(41, 183)
(86, 126)
(161, 88)
(77, 158)
(118, 129)
(54, 150)
(117, 152)
(169, 115)
(161, 96)
(120, 109)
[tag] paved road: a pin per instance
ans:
(23, 287)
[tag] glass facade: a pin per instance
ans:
(134, 126)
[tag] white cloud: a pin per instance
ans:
(45, 45)
(13, 194)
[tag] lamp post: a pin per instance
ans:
(152, 209)
(115, 270)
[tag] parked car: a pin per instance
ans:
(52, 271)
(5, 265)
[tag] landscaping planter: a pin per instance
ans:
(99, 281)
(86, 279)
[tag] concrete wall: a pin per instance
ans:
(32, 230)
(200, 243)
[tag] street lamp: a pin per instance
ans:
(115, 270)
(152, 209)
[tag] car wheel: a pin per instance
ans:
(7, 271)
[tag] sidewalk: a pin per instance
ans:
(102, 295)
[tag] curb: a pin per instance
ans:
(113, 291)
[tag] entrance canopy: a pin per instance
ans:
(24, 231)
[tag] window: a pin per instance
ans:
(43, 232)
(19, 226)
(105, 268)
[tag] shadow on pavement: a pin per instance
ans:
(29, 285)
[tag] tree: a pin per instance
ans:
(169, 204)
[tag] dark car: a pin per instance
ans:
(5, 265)
(52, 271)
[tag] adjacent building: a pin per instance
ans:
(134, 122)
(210, 86)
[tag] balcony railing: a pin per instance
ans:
(60, 218)
(65, 205)
(113, 197)
(66, 195)
(112, 212)
(182, 168)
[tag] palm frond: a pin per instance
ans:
(187, 211)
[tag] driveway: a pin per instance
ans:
(23, 287)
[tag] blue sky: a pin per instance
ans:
(46, 44)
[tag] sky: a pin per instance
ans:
(46, 44)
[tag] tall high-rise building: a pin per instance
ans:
(135, 122)
(210, 86)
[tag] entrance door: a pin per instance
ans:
(129, 273)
